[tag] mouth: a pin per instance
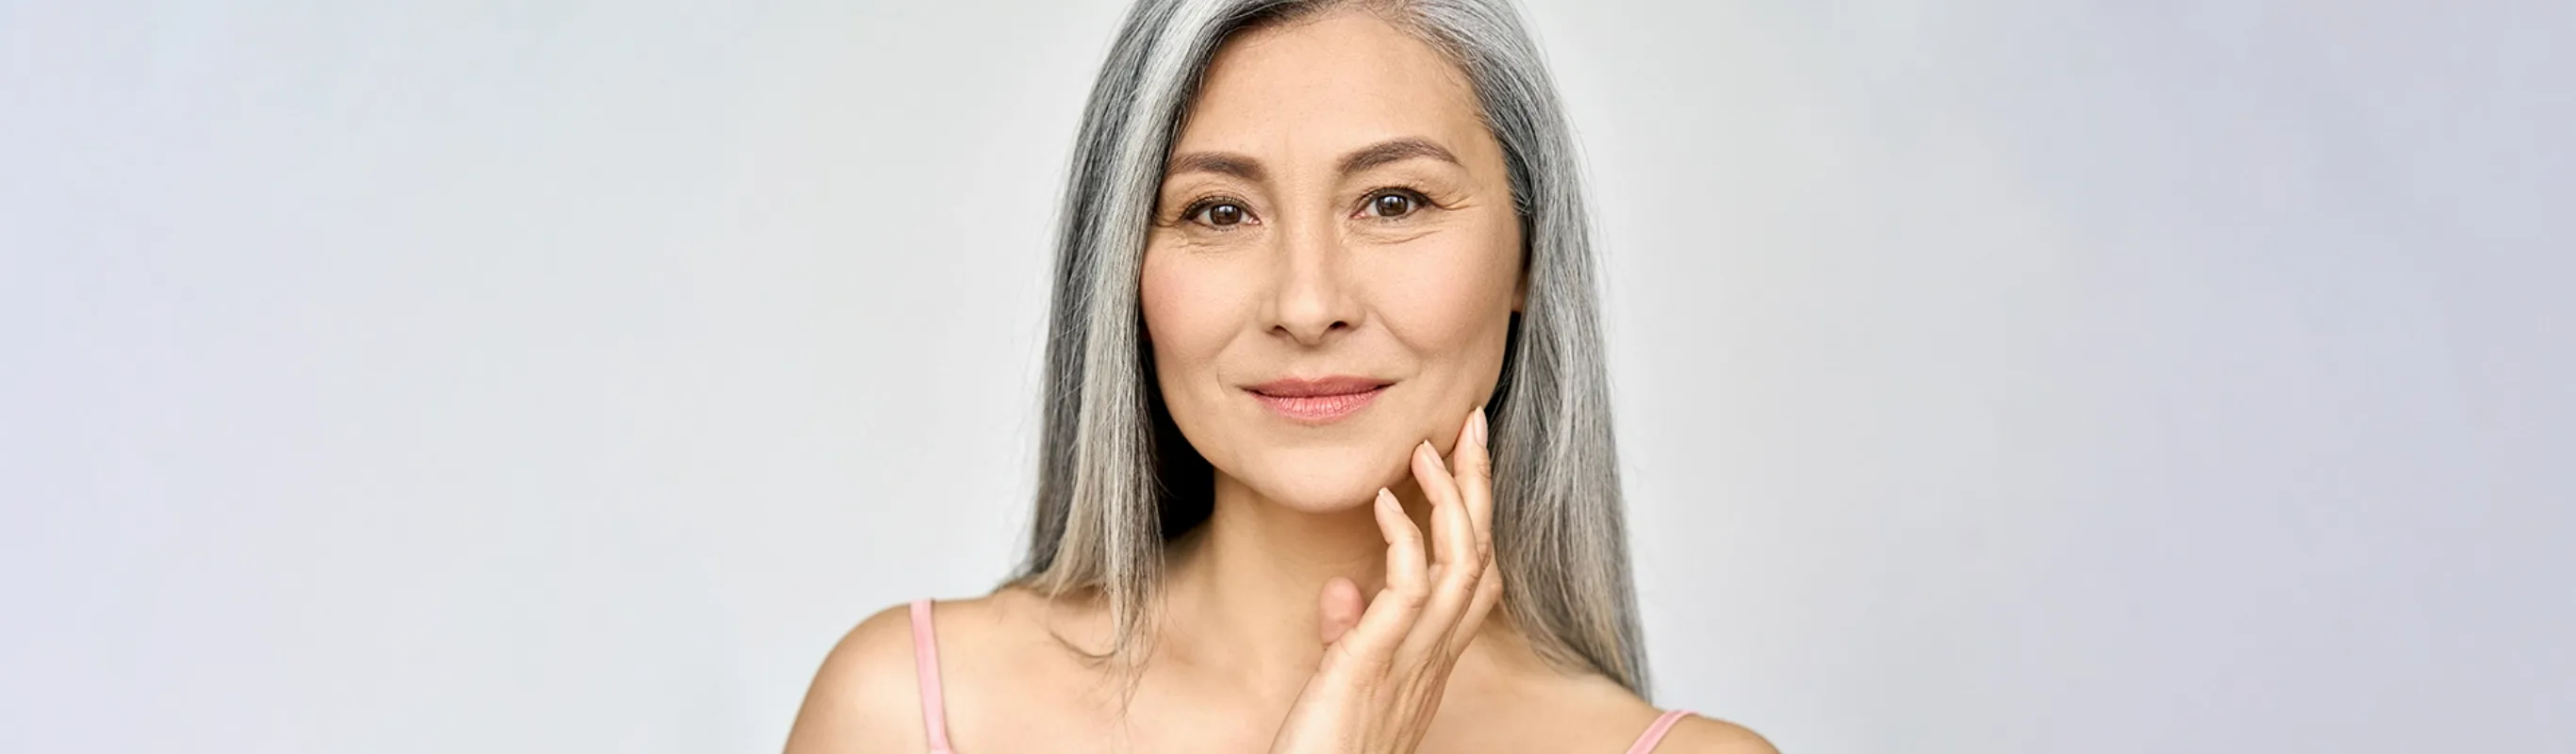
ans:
(1318, 401)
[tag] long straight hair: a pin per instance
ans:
(1117, 482)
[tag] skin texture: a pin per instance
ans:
(1315, 279)
(1311, 613)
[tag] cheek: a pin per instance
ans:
(1189, 319)
(1450, 301)
(1194, 311)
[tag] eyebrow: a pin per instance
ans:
(1220, 163)
(1364, 158)
(1395, 150)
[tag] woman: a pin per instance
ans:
(1310, 250)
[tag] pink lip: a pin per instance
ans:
(1318, 401)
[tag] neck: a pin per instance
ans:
(1245, 589)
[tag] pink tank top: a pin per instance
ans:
(934, 712)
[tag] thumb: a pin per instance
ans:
(1342, 608)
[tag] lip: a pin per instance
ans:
(1318, 401)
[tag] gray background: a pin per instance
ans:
(566, 376)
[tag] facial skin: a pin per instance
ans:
(1278, 254)
(1334, 206)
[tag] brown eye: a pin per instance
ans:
(1222, 215)
(1392, 205)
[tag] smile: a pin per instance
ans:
(1321, 401)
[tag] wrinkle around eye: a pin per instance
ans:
(1428, 190)
(1418, 203)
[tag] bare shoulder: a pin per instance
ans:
(992, 651)
(1504, 697)
(1703, 735)
(1519, 702)
(1009, 663)
(864, 699)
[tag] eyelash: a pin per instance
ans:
(1420, 202)
(1190, 214)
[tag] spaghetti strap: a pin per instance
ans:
(925, 668)
(1655, 733)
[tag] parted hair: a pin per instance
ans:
(1117, 481)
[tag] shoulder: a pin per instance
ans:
(1630, 715)
(865, 697)
(1524, 703)
(992, 651)
(1702, 735)
(1513, 701)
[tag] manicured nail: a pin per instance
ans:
(1432, 453)
(1476, 426)
(1386, 499)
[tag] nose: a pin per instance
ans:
(1312, 299)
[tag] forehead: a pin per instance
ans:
(1340, 80)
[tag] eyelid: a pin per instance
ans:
(1190, 212)
(1422, 201)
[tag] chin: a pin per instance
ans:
(1325, 480)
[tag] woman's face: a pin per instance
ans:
(1334, 260)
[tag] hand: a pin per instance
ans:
(1383, 670)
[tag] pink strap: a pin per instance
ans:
(1655, 733)
(925, 668)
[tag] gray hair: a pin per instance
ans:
(1117, 480)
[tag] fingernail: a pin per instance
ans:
(1386, 499)
(1476, 424)
(1432, 453)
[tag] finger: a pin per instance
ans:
(1341, 608)
(1452, 547)
(1404, 561)
(1391, 614)
(1472, 463)
(1459, 565)
(1489, 592)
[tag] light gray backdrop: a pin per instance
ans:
(1993, 376)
